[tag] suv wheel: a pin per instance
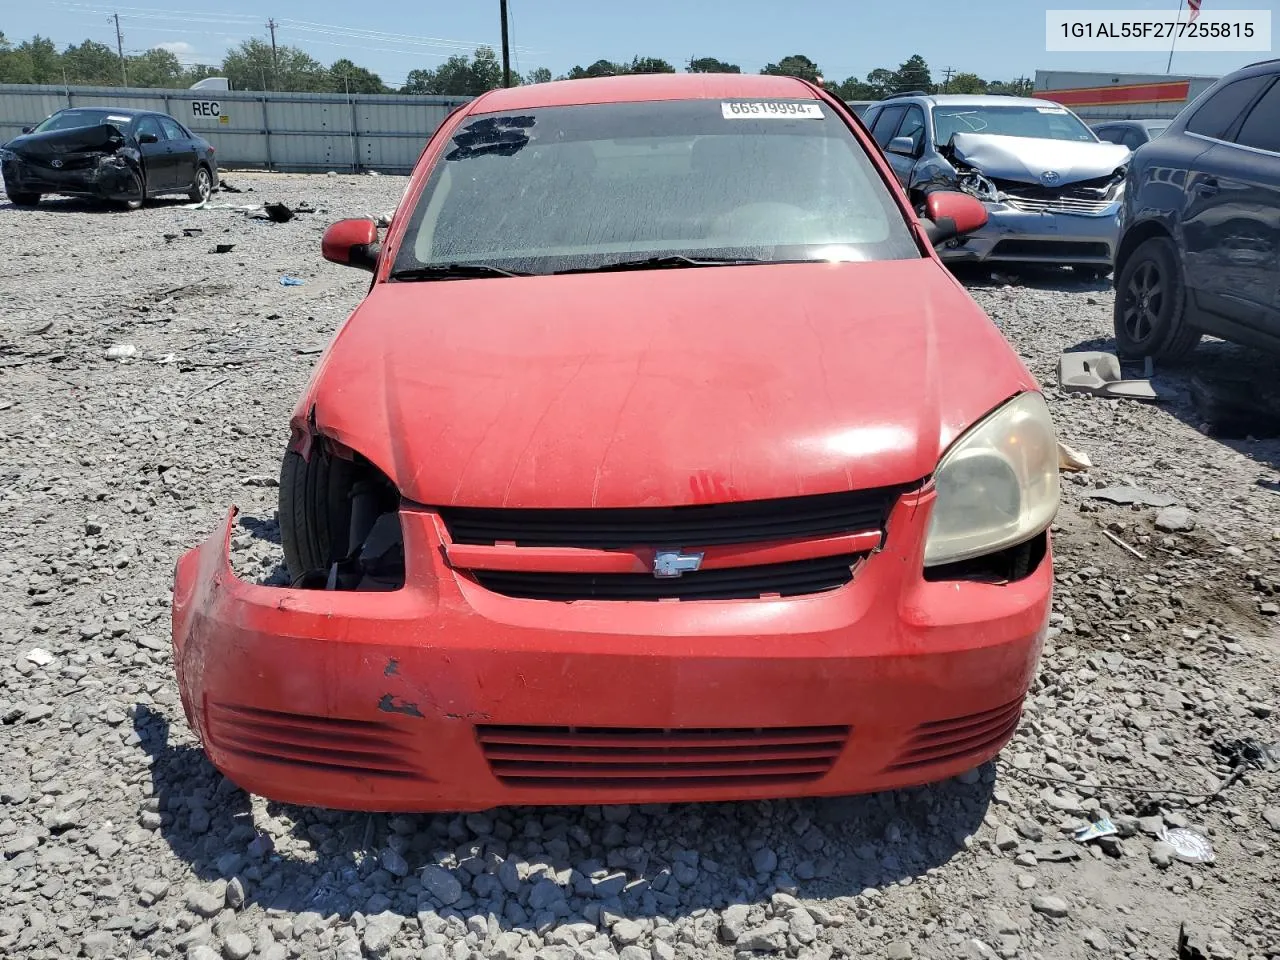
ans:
(1151, 300)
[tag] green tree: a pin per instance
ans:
(91, 63)
(712, 65)
(796, 65)
(32, 61)
(346, 77)
(649, 65)
(881, 83)
(251, 66)
(539, 75)
(601, 68)
(155, 68)
(460, 76)
(851, 88)
(1020, 87)
(965, 83)
(913, 74)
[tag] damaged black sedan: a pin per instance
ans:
(121, 155)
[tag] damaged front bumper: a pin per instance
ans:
(1040, 236)
(442, 695)
(114, 176)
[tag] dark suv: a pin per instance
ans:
(1200, 225)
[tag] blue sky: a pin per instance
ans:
(997, 39)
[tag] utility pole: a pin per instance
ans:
(275, 60)
(506, 53)
(946, 78)
(124, 75)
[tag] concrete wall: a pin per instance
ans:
(269, 131)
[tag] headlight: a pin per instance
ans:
(998, 484)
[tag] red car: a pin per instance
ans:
(663, 461)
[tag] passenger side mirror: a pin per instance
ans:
(353, 243)
(26, 129)
(903, 146)
(952, 214)
(148, 138)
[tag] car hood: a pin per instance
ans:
(662, 387)
(1027, 159)
(102, 138)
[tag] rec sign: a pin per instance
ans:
(206, 108)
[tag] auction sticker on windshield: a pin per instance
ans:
(771, 109)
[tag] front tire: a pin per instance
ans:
(1151, 301)
(24, 199)
(315, 510)
(202, 188)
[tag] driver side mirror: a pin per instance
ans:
(903, 146)
(148, 138)
(353, 243)
(952, 214)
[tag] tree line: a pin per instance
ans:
(254, 65)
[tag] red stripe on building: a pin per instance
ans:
(1175, 91)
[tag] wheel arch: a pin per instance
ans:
(1136, 236)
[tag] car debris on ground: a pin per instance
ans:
(1160, 679)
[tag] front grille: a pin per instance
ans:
(1062, 204)
(941, 741)
(329, 744)
(1051, 250)
(793, 579)
(674, 758)
(609, 528)
(1089, 197)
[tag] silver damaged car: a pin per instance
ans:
(1052, 189)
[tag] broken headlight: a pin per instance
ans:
(976, 185)
(998, 484)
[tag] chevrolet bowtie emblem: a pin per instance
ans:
(674, 563)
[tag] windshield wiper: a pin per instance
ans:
(453, 271)
(660, 263)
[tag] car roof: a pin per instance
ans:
(120, 111)
(966, 100)
(640, 87)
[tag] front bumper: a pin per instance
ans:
(445, 696)
(1018, 236)
(113, 177)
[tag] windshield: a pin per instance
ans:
(583, 187)
(69, 119)
(1048, 122)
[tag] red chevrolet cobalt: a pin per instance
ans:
(663, 461)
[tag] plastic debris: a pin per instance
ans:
(291, 281)
(277, 212)
(1126, 496)
(40, 656)
(1188, 846)
(120, 351)
(1072, 460)
(1096, 831)
(223, 248)
(192, 231)
(1099, 373)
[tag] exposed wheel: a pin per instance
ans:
(1151, 299)
(315, 510)
(202, 188)
(24, 199)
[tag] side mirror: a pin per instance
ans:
(903, 146)
(27, 129)
(952, 214)
(353, 243)
(148, 138)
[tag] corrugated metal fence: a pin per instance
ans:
(270, 131)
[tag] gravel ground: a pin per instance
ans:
(117, 839)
